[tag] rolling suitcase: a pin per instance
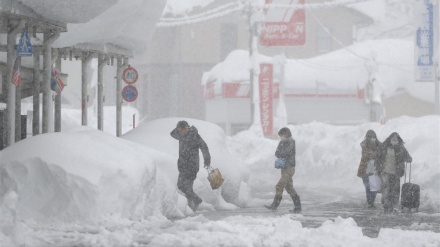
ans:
(410, 197)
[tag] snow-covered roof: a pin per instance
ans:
(179, 7)
(342, 69)
(128, 24)
(69, 11)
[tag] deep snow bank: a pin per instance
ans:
(328, 156)
(156, 135)
(84, 174)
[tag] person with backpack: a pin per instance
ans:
(393, 156)
(285, 153)
(188, 163)
(370, 156)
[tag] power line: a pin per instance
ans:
(209, 15)
(350, 51)
(239, 5)
(328, 4)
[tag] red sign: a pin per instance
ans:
(266, 98)
(129, 93)
(130, 75)
(284, 26)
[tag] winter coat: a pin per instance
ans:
(370, 151)
(189, 145)
(401, 156)
(286, 150)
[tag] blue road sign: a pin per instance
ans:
(129, 93)
(24, 48)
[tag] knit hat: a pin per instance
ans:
(182, 124)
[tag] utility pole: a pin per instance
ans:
(255, 16)
(251, 70)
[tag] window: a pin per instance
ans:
(324, 41)
(228, 38)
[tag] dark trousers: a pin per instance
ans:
(390, 190)
(185, 184)
(371, 196)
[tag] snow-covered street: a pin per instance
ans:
(344, 223)
(128, 197)
(235, 123)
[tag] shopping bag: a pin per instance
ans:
(214, 177)
(371, 167)
(375, 183)
(280, 163)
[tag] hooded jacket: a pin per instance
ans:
(401, 155)
(286, 150)
(189, 146)
(370, 151)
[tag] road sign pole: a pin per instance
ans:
(102, 61)
(36, 98)
(436, 56)
(119, 69)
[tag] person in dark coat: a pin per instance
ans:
(286, 150)
(188, 163)
(393, 156)
(370, 154)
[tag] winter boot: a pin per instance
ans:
(275, 203)
(197, 202)
(297, 202)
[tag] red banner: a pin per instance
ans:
(266, 98)
(284, 26)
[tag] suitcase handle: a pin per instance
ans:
(406, 164)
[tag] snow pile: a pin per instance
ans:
(232, 231)
(328, 156)
(85, 174)
(156, 135)
(344, 69)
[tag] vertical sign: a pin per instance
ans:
(424, 43)
(266, 98)
(24, 47)
(284, 26)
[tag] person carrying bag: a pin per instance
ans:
(286, 163)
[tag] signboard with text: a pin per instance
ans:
(283, 26)
(266, 98)
(424, 43)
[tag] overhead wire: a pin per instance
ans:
(349, 50)
(239, 5)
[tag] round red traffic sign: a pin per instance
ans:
(129, 93)
(130, 75)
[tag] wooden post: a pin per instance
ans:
(36, 97)
(58, 97)
(10, 88)
(102, 61)
(49, 38)
(84, 63)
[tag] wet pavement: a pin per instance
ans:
(329, 206)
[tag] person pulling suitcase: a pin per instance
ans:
(393, 156)
(410, 197)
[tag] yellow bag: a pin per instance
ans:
(215, 178)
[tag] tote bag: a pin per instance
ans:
(375, 183)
